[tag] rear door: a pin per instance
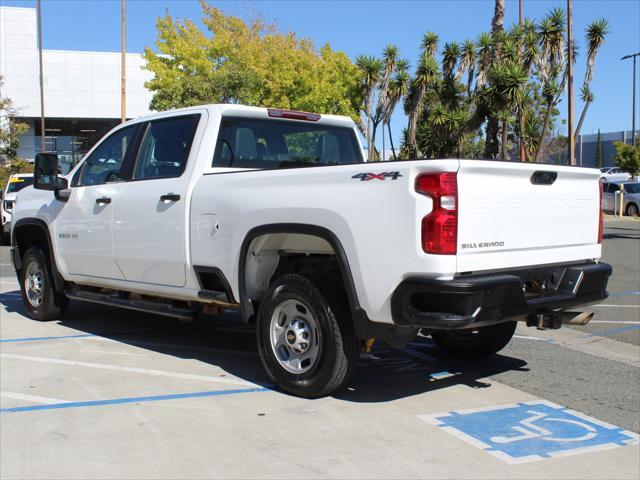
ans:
(516, 214)
(150, 222)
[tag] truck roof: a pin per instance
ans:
(244, 110)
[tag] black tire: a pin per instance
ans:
(477, 342)
(338, 349)
(632, 210)
(52, 304)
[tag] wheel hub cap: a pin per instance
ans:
(295, 337)
(34, 283)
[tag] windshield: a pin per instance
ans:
(604, 170)
(18, 183)
(262, 143)
(632, 187)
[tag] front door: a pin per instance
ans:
(149, 217)
(84, 226)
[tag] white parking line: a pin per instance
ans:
(145, 371)
(624, 322)
(617, 306)
(32, 398)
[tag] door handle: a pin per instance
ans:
(169, 197)
(103, 201)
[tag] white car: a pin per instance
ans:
(614, 174)
(16, 183)
(276, 213)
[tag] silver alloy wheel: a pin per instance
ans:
(295, 336)
(632, 210)
(34, 283)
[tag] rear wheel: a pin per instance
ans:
(40, 298)
(305, 335)
(632, 210)
(475, 343)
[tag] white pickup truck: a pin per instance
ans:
(276, 213)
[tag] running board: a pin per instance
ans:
(147, 306)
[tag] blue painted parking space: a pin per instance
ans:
(531, 431)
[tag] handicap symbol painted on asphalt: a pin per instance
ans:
(531, 431)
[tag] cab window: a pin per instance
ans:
(273, 144)
(105, 163)
(165, 148)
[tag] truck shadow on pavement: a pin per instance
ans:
(631, 233)
(383, 375)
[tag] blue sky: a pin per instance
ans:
(366, 27)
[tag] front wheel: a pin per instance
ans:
(40, 297)
(305, 335)
(632, 210)
(475, 343)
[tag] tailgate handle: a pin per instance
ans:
(543, 177)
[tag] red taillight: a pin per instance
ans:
(440, 227)
(600, 214)
(292, 114)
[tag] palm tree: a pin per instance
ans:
(468, 62)
(430, 44)
(484, 46)
(551, 67)
(427, 75)
(507, 89)
(596, 33)
(450, 54)
(497, 30)
(370, 68)
(397, 90)
(389, 60)
(497, 21)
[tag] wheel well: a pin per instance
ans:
(35, 233)
(27, 236)
(269, 250)
(272, 255)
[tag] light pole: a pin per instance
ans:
(572, 145)
(42, 130)
(633, 108)
(123, 99)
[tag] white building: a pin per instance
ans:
(81, 89)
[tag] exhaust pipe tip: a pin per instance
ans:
(577, 318)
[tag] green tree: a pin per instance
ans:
(250, 63)
(427, 75)
(628, 157)
(370, 71)
(598, 152)
(10, 129)
(492, 128)
(513, 74)
(596, 33)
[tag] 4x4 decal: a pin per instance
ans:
(365, 177)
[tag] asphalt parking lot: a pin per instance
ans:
(108, 393)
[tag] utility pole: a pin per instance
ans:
(42, 130)
(523, 156)
(123, 99)
(571, 139)
(633, 108)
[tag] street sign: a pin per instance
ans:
(531, 431)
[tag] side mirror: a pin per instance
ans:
(45, 175)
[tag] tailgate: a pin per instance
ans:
(516, 214)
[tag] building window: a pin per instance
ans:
(70, 138)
